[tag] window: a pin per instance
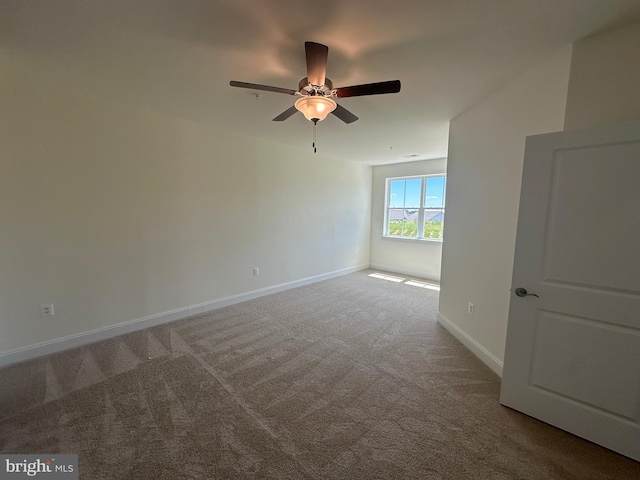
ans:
(414, 207)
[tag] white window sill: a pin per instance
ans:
(412, 239)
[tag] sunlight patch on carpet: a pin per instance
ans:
(416, 283)
(390, 278)
(412, 283)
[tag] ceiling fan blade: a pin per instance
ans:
(345, 115)
(266, 88)
(379, 88)
(286, 114)
(317, 55)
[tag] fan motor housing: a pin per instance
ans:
(305, 88)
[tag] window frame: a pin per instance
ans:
(421, 209)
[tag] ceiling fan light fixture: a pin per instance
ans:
(315, 107)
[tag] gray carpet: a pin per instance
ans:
(350, 378)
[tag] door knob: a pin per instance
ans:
(522, 292)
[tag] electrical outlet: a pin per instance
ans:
(256, 271)
(470, 308)
(46, 310)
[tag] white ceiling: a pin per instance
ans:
(178, 56)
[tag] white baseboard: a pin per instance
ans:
(85, 338)
(411, 273)
(478, 350)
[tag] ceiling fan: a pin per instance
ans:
(316, 92)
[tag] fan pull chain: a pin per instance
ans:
(315, 122)
(314, 139)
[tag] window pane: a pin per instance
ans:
(395, 220)
(402, 222)
(396, 193)
(434, 192)
(412, 192)
(410, 225)
(433, 221)
(405, 193)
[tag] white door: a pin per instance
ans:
(572, 356)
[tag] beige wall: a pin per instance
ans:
(115, 214)
(410, 257)
(486, 147)
(604, 85)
